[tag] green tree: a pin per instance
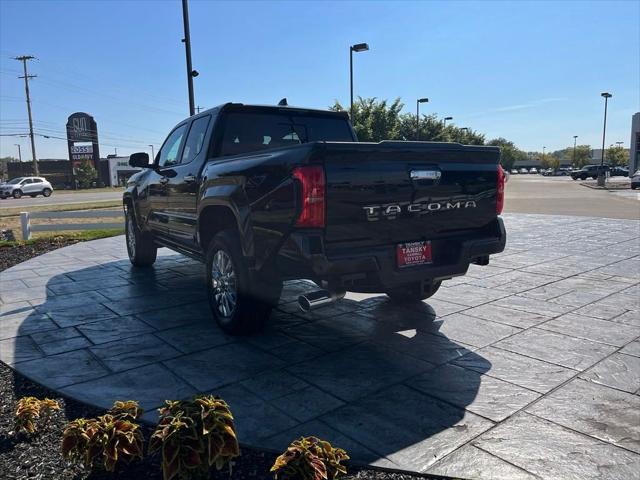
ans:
(582, 155)
(510, 154)
(86, 174)
(376, 120)
(617, 156)
(551, 160)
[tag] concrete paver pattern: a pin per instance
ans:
(528, 368)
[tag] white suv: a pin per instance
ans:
(32, 186)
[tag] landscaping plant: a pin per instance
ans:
(31, 409)
(128, 410)
(310, 458)
(193, 436)
(108, 440)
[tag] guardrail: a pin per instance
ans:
(28, 228)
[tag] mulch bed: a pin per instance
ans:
(13, 254)
(38, 456)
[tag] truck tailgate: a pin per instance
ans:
(390, 192)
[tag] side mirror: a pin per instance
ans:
(140, 159)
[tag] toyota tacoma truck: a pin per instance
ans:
(264, 194)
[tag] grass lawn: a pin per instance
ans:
(10, 217)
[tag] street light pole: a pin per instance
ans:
(153, 155)
(575, 138)
(445, 120)
(358, 47)
(601, 177)
(187, 47)
(418, 102)
(19, 153)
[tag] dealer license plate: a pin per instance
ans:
(414, 253)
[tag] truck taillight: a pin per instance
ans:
(500, 190)
(312, 184)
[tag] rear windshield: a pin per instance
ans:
(253, 131)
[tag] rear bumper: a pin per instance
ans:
(374, 269)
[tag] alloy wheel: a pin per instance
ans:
(131, 236)
(223, 284)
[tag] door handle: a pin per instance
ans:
(189, 178)
(163, 180)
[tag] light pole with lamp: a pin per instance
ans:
(418, 102)
(19, 153)
(445, 120)
(601, 176)
(575, 139)
(358, 47)
(153, 155)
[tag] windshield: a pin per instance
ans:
(15, 181)
(252, 131)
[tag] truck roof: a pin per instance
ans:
(231, 105)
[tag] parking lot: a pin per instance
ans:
(564, 196)
(527, 368)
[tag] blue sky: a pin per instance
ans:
(528, 71)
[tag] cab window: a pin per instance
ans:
(168, 154)
(193, 145)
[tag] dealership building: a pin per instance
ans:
(113, 171)
(634, 160)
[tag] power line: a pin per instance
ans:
(27, 77)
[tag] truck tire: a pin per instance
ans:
(412, 292)
(140, 247)
(240, 302)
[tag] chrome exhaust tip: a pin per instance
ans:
(318, 298)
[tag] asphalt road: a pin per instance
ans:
(524, 194)
(564, 196)
(61, 199)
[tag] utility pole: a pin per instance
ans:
(187, 47)
(19, 152)
(26, 77)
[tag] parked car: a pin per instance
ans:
(32, 186)
(589, 171)
(635, 180)
(533, 170)
(524, 170)
(619, 172)
(514, 171)
(264, 194)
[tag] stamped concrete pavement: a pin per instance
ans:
(527, 368)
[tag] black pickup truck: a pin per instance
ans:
(263, 194)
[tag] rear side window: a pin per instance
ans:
(253, 131)
(195, 139)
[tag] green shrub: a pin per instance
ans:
(310, 458)
(31, 409)
(193, 436)
(110, 439)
